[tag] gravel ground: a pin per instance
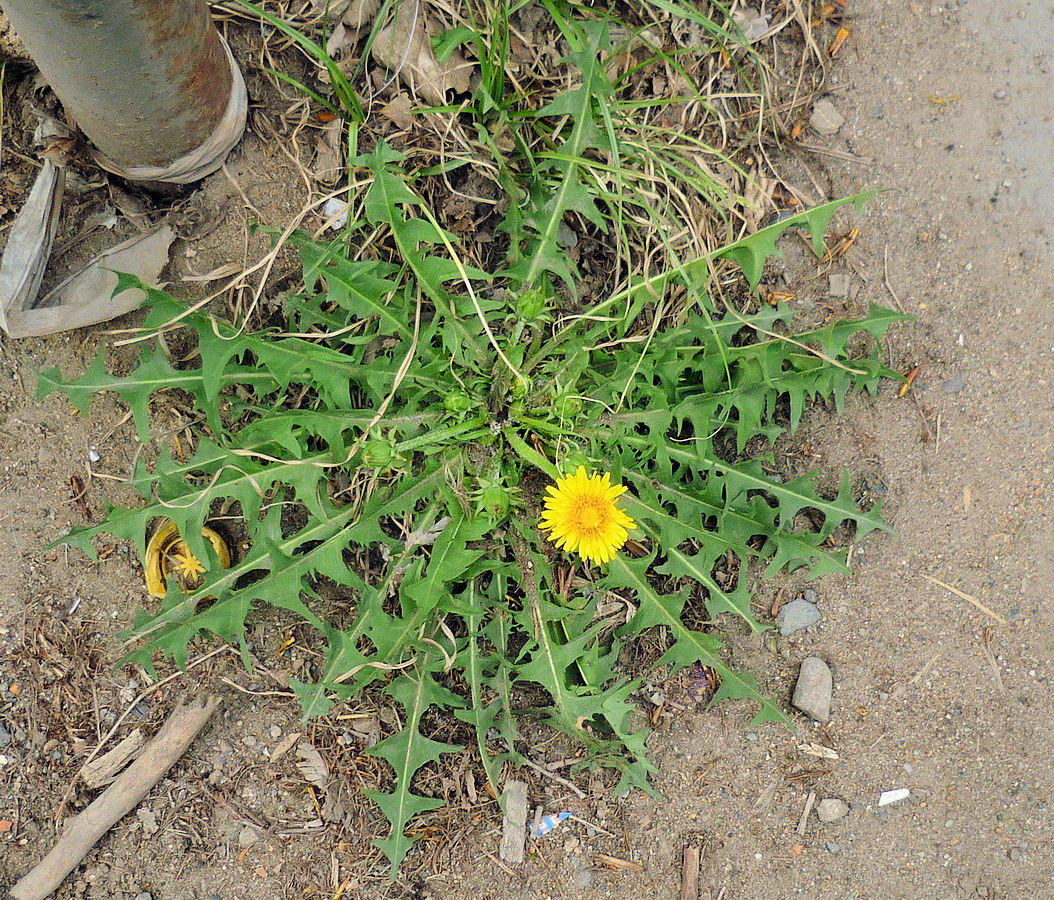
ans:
(949, 106)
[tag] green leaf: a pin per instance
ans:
(562, 189)
(688, 646)
(406, 752)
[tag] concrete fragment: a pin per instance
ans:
(838, 285)
(249, 835)
(896, 796)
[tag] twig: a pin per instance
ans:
(995, 667)
(557, 778)
(149, 689)
(589, 824)
(789, 340)
(902, 686)
(804, 820)
(690, 874)
(119, 799)
(971, 600)
(885, 279)
(498, 863)
(834, 152)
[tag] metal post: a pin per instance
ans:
(148, 81)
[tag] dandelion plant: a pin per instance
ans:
(479, 460)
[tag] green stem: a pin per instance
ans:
(530, 455)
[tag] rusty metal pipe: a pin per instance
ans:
(148, 81)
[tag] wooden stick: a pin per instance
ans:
(690, 874)
(120, 798)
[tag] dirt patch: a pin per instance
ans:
(930, 693)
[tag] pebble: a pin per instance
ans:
(838, 285)
(812, 693)
(276, 732)
(5, 736)
(796, 615)
(832, 847)
(888, 798)
(953, 385)
(143, 896)
(1014, 854)
(831, 809)
(825, 118)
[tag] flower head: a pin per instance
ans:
(581, 516)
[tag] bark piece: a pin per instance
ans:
(514, 826)
(101, 771)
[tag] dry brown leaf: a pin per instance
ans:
(312, 766)
(399, 110)
(329, 152)
(359, 14)
(283, 746)
(356, 18)
(405, 47)
(331, 8)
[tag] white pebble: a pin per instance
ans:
(889, 797)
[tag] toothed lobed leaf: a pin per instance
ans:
(406, 752)
(383, 461)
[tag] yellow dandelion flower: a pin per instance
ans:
(582, 517)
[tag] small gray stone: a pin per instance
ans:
(825, 118)
(812, 693)
(953, 385)
(838, 285)
(831, 809)
(796, 615)
(143, 896)
(249, 835)
(834, 848)
(276, 732)
(5, 736)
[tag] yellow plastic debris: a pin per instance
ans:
(167, 555)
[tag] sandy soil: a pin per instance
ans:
(950, 107)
